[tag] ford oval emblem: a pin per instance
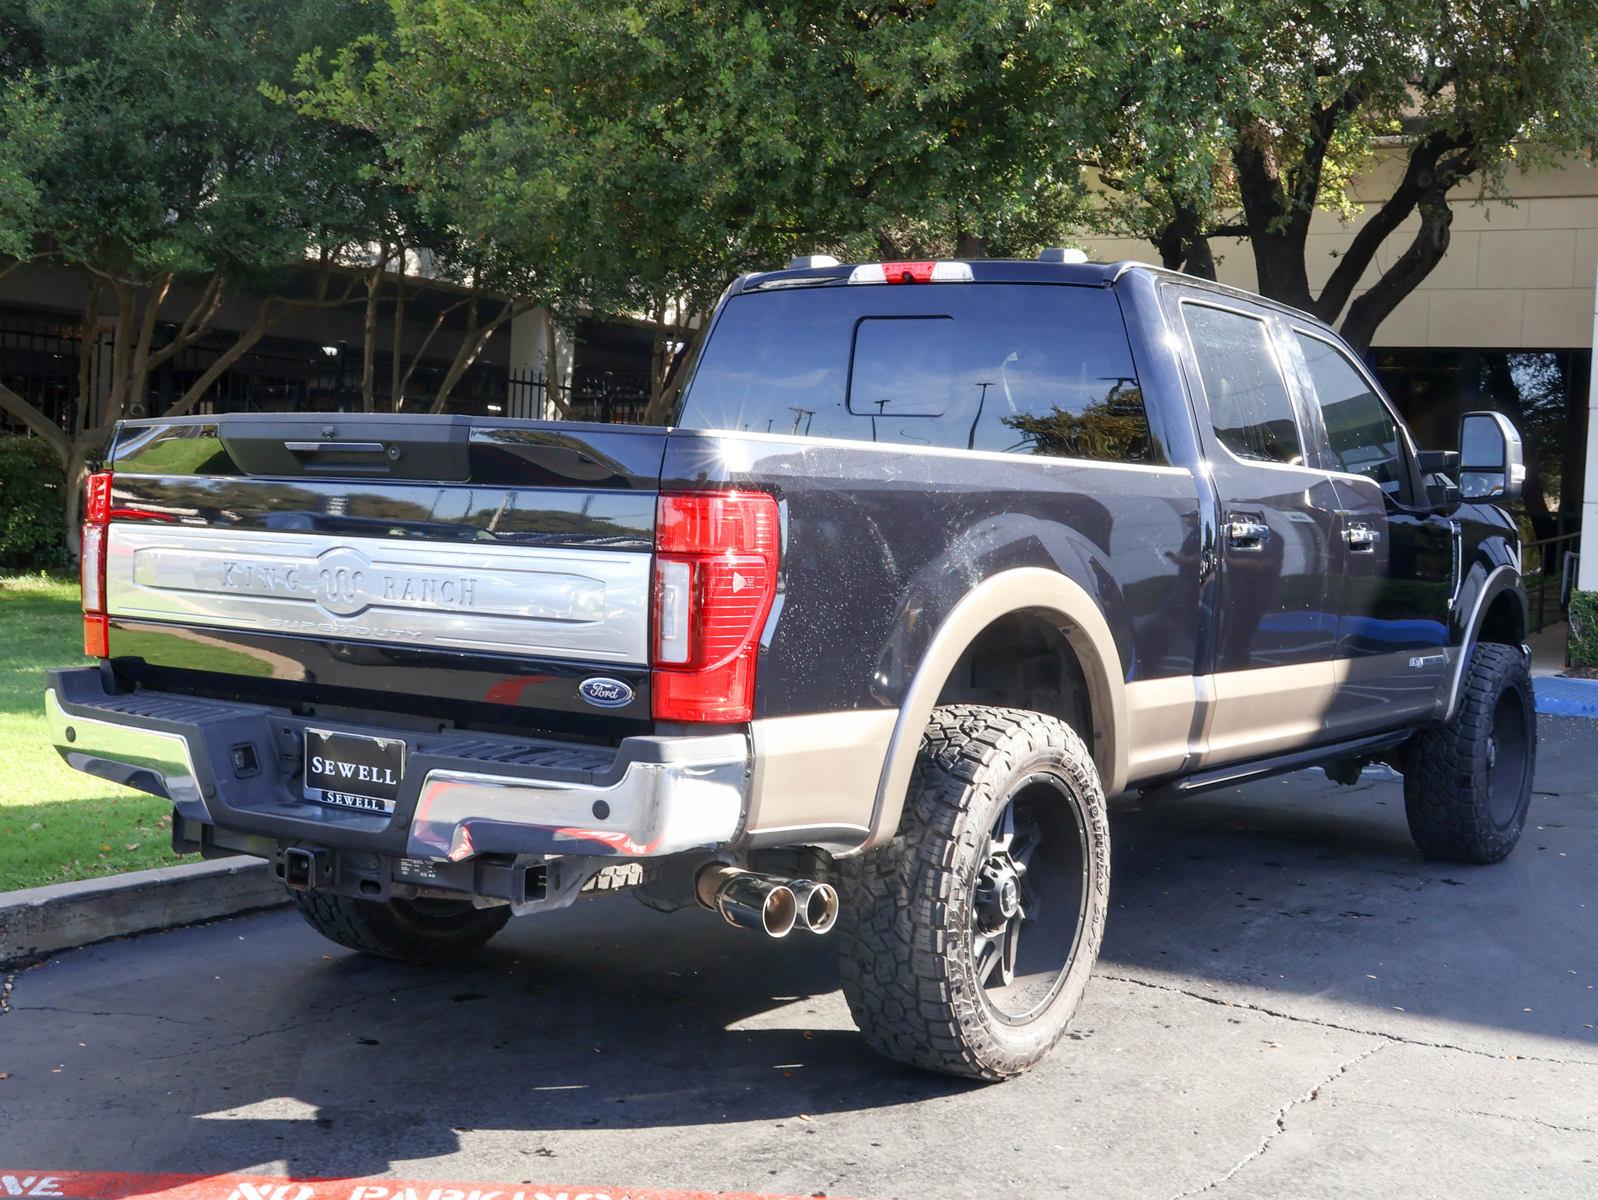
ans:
(606, 693)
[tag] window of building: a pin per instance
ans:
(1249, 403)
(1018, 368)
(1363, 434)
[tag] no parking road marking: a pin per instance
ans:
(128, 1185)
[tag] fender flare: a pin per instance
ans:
(1021, 589)
(1487, 584)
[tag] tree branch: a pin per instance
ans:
(87, 345)
(37, 422)
(1367, 313)
(416, 359)
(265, 319)
(473, 345)
(1420, 173)
(196, 323)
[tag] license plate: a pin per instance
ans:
(349, 770)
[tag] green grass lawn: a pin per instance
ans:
(56, 823)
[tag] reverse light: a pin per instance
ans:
(715, 580)
(912, 272)
(91, 565)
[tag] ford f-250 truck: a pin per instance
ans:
(934, 558)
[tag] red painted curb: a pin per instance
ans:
(125, 1185)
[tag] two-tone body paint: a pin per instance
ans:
(883, 549)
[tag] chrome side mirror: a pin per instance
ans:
(1492, 462)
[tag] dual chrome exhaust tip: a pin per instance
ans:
(774, 906)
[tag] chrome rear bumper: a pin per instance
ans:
(648, 797)
(654, 808)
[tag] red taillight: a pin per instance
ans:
(908, 272)
(91, 565)
(97, 498)
(715, 580)
(96, 636)
(912, 272)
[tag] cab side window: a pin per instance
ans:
(1363, 434)
(1249, 403)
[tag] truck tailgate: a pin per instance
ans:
(460, 569)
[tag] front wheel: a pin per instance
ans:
(965, 943)
(1467, 784)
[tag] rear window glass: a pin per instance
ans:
(1025, 369)
(1251, 411)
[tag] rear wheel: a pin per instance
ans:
(1467, 784)
(416, 931)
(966, 942)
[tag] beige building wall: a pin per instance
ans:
(1517, 275)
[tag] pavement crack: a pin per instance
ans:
(1514, 1118)
(356, 1001)
(1279, 1126)
(1250, 1006)
(1498, 1116)
(93, 1012)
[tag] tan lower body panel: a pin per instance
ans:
(815, 777)
(1161, 713)
(1259, 712)
(1193, 721)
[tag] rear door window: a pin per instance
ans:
(1017, 368)
(1250, 407)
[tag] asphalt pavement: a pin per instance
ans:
(1290, 1003)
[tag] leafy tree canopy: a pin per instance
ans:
(635, 156)
(1243, 117)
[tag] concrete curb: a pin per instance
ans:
(35, 922)
(1560, 696)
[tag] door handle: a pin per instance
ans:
(1245, 532)
(1361, 539)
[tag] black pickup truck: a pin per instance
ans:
(934, 558)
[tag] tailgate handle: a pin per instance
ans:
(335, 447)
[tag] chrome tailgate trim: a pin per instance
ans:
(556, 603)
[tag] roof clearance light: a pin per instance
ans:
(912, 272)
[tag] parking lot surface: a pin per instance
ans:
(1290, 1003)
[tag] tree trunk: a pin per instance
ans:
(553, 380)
(397, 361)
(1278, 226)
(416, 359)
(969, 245)
(668, 366)
(1200, 259)
(374, 291)
(1183, 246)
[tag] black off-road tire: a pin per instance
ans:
(908, 907)
(423, 932)
(1467, 784)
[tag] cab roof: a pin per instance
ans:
(1005, 270)
(983, 270)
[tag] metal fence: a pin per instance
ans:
(40, 354)
(1543, 570)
